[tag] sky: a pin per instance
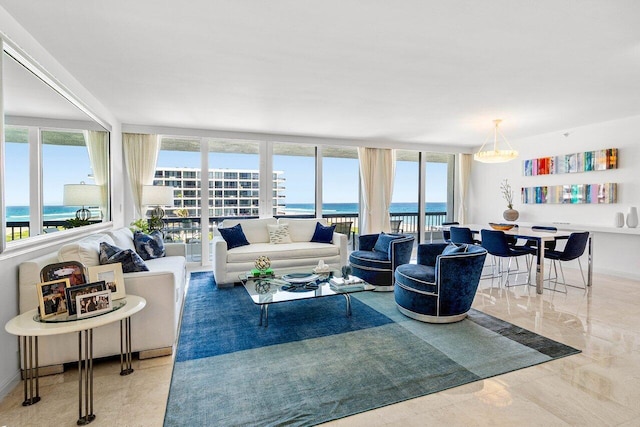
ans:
(340, 176)
(70, 165)
(61, 165)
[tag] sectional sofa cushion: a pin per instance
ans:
(234, 236)
(131, 261)
(278, 233)
(454, 249)
(122, 238)
(323, 234)
(86, 251)
(149, 246)
(255, 230)
(384, 241)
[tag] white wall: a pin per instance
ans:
(614, 253)
(9, 261)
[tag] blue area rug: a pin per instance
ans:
(314, 364)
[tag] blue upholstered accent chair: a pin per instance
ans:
(378, 256)
(439, 288)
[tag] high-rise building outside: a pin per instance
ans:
(232, 192)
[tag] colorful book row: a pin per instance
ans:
(569, 194)
(571, 163)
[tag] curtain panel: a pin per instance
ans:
(97, 146)
(464, 173)
(140, 155)
(377, 173)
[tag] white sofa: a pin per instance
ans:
(154, 329)
(301, 253)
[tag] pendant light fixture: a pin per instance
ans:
(495, 155)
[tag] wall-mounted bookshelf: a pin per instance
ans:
(572, 163)
(571, 194)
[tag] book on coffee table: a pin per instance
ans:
(350, 284)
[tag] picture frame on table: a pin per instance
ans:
(73, 270)
(112, 276)
(93, 303)
(87, 288)
(52, 297)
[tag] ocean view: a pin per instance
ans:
(59, 213)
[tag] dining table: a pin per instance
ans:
(540, 237)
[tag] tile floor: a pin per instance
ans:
(599, 387)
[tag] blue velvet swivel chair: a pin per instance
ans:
(378, 256)
(441, 286)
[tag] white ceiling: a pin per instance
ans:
(435, 72)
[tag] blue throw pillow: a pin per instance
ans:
(384, 241)
(454, 249)
(131, 261)
(234, 236)
(323, 234)
(149, 246)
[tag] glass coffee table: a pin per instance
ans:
(295, 287)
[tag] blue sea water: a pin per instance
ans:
(58, 213)
(340, 208)
(51, 213)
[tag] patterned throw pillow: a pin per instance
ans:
(454, 249)
(234, 236)
(323, 234)
(131, 261)
(149, 246)
(384, 241)
(279, 233)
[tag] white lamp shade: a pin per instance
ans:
(81, 195)
(156, 195)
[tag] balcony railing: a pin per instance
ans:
(189, 230)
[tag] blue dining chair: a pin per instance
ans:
(446, 234)
(549, 245)
(573, 249)
(496, 243)
(459, 235)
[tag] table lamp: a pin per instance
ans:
(158, 196)
(82, 195)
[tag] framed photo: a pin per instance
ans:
(52, 297)
(72, 270)
(112, 276)
(88, 288)
(93, 303)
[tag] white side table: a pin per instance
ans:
(28, 328)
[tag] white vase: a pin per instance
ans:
(632, 218)
(619, 220)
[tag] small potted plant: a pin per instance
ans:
(507, 193)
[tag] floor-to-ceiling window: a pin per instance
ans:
(438, 191)
(404, 202)
(294, 189)
(235, 181)
(341, 187)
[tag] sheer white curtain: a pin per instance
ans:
(464, 173)
(140, 156)
(377, 172)
(96, 142)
